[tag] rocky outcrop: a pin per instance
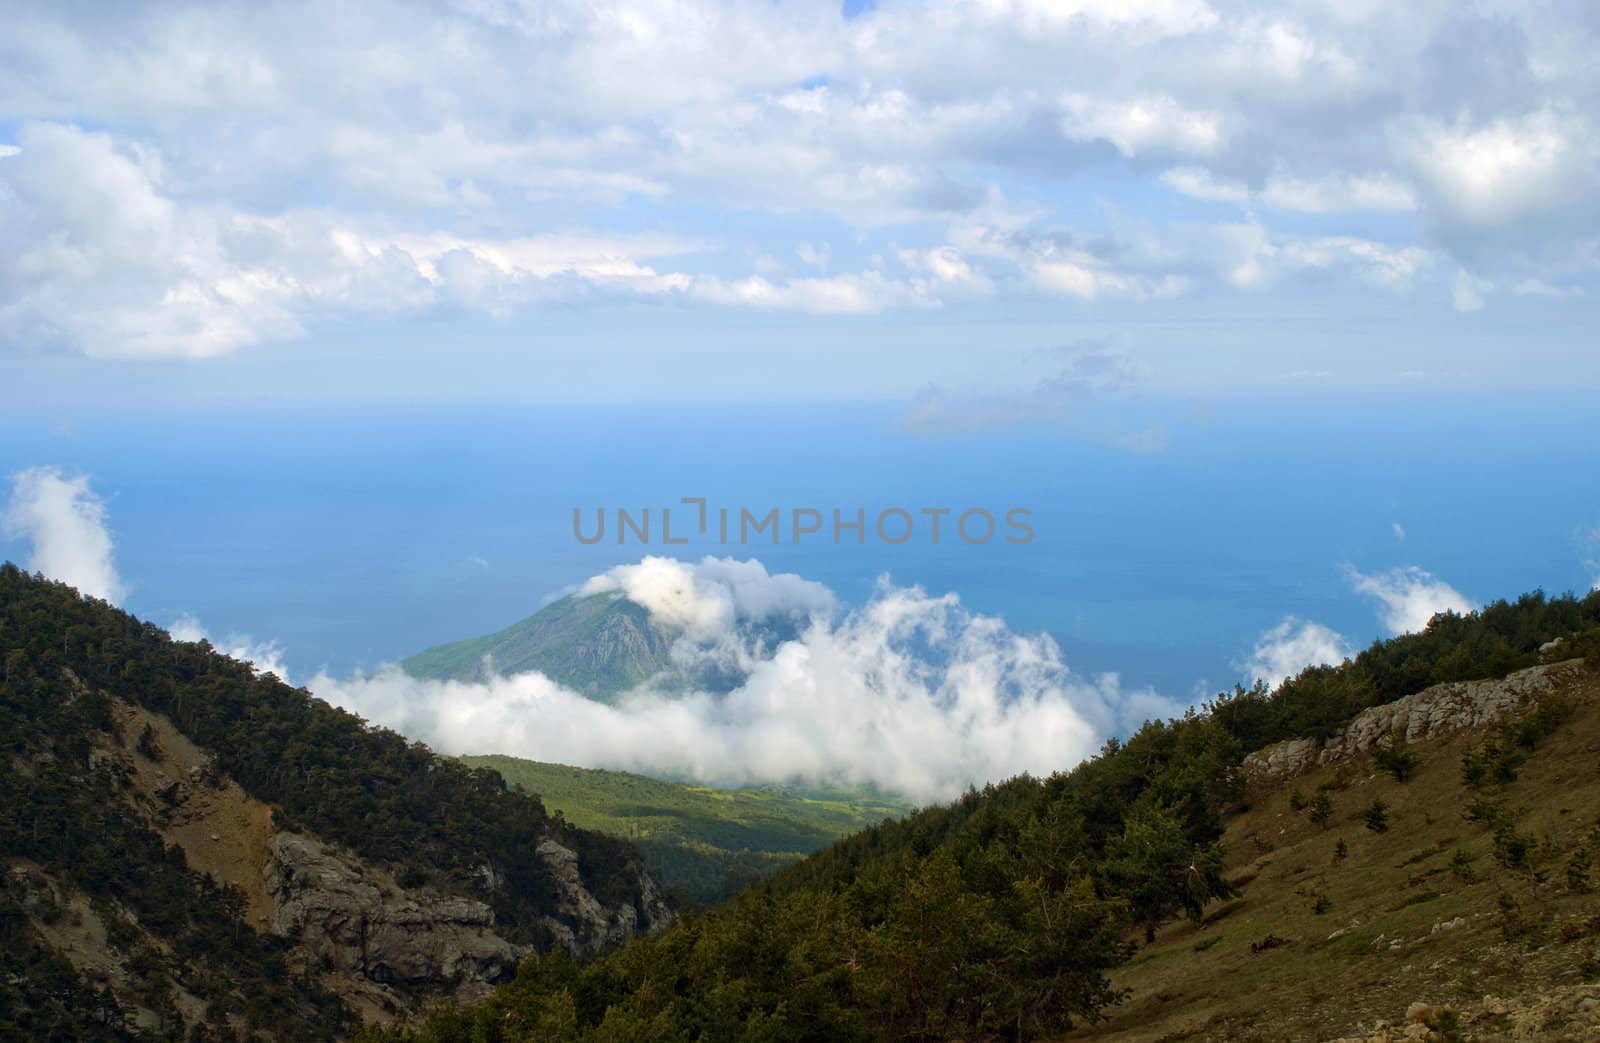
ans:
(1570, 1013)
(352, 918)
(583, 926)
(1432, 711)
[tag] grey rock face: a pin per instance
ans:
(355, 919)
(1432, 711)
(583, 926)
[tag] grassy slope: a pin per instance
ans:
(598, 645)
(699, 841)
(1206, 983)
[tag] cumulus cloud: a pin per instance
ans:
(910, 692)
(265, 656)
(215, 130)
(1409, 597)
(1291, 646)
(64, 522)
(714, 595)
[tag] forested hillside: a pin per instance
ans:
(1003, 914)
(65, 826)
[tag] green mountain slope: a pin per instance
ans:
(96, 870)
(1007, 914)
(598, 645)
(700, 842)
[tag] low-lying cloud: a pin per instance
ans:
(265, 656)
(911, 693)
(1290, 647)
(713, 596)
(63, 520)
(1409, 597)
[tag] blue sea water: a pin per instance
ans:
(358, 535)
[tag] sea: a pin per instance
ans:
(354, 535)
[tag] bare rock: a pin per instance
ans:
(1432, 711)
(354, 919)
(582, 925)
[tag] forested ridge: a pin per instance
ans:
(393, 802)
(999, 915)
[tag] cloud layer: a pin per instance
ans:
(183, 179)
(910, 692)
(1407, 599)
(63, 521)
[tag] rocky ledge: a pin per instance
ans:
(352, 918)
(1432, 711)
(583, 926)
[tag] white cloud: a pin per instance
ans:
(816, 256)
(1339, 193)
(1409, 597)
(240, 158)
(1291, 646)
(849, 294)
(1139, 126)
(1508, 169)
(65, 524)
(910, 692)
(1469, 292)
(1399, 530)
(265, 656)
(114, 265)
(713, 595)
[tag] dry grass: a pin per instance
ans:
(1378, 944)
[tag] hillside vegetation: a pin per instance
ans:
(1007, 913)
(700, 842)
(598, 645)
(1468, 884)
(69, 829)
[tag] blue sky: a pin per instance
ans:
(682, 201)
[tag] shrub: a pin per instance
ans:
(1511, 849)
(1461, 866)
(1297, 800)
(147, 744)
(1376, 816)
(1322, 904)
(1397, 757)
(1578, 872)
(1340, 851)
(1514, 922)
(1322, 810)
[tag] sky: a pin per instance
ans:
(679, 201)
(309, 312)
